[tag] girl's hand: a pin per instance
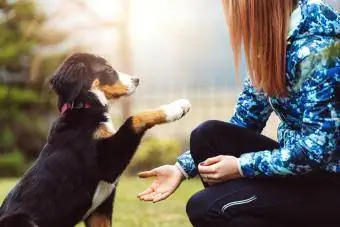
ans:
(219, 169)
(168, 178)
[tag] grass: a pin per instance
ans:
(129, 211)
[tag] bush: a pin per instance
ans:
(154, 152)
(12, 164)
(151, 153)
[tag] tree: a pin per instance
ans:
(19, 23)
(23, 108)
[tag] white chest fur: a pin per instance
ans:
(103, 191)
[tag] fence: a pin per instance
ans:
(206, 105)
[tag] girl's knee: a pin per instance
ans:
(203, 132)
(209, 129)
(203, 135)
(200, 137)
(203, 129)
(195, 208)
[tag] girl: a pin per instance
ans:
(292, 50)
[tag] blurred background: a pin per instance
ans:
(178, 48)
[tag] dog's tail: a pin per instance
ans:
(16, 220)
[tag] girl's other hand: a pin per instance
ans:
(219, 169)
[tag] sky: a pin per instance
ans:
(181, 43)
(170, 44)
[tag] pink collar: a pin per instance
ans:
(68, 106)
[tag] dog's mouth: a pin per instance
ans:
(128, 82)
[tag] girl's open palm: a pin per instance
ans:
(168, 178)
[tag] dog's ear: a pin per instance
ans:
(98, 66)
(68, 81)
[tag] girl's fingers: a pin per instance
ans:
(212, 181)
(146, 174)
(147, 191)
(208, 178)
(212, 160)
(149, 197)
(206, 169)
(161, 196)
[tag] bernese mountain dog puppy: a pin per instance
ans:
(75, 176)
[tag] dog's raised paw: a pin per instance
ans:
(176, 110)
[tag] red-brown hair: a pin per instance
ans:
(261, 26)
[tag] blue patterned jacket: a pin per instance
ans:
(309, 132)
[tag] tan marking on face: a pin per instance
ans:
(98, 220)
(111, 91)
(148, 119)
(114, 91)
(102, 132)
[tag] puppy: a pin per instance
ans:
(76, 173)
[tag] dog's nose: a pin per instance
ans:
(135, 81)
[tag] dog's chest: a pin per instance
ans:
(103, 191)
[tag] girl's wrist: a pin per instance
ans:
(182, 171)
(239, 168)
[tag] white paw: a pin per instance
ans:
(176, 110)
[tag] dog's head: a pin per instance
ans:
(84, 75)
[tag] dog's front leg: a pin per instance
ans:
(167, 113)
(115, 152)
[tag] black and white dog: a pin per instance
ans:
(76, 174)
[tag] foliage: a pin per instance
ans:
(12, 164)
(18, 25)
(18, 95)
(42, 68)
(151, 153)
(25, 104)
(154, 152)
(130, 212)
(20, 129)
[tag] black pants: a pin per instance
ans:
(309, 200)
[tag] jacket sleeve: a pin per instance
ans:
(252, 108)
(313, 146)
(252, 111)
(186, 165)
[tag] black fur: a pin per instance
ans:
(18, 220)
(58, 189)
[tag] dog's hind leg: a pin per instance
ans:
(102, 215)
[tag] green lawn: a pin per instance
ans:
(129, 211)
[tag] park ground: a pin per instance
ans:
(130, 212)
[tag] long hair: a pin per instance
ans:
(261, 27)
